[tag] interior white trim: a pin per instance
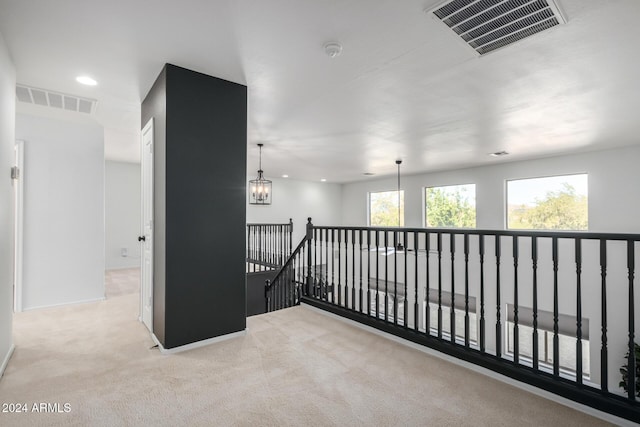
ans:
(484, 371)
(197, 344)
(18, 226)
(40, 307)
(5, 361)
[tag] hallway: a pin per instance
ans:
(293, 367)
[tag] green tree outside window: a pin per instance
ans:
(451, 206)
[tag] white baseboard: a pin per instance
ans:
(40, 307)
(484, 371)
(197, 344)
(5, 361)
(131, 267)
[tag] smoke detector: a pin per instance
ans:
(487, 25)
(333, 49)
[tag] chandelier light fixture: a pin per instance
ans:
(260, 188)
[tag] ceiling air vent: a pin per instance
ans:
(487, 25)
(61, 101)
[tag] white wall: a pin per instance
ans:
(299, 200)
(63, 211)
(614, 196)
(7, 140)
(122, 214)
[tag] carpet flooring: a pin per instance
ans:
(93, 365)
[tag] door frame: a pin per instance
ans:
(146, 168)
(18, 225)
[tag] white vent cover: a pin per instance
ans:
(47, 98)
(487, 25)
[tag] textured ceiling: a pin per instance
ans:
(404, 87)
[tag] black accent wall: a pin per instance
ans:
(200, 138)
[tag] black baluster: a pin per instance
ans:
(534, 261)
(346, 268)
(466, 290)
(353, 269)
(320, 280)
(377, 275)
(315, 264)
(325, 270)
(300, 272)
(631, 363)
(405, 305)
(556, 337)
(333, 272)
(339, 268)
(254, 255)
(482, 325)
(280, 236)
(516, 336)
(427, 319)
(452, 312)
(274, 260)
(386, 278)
(269, 242)
(416, 306)
(290, 237)
(498, 320)
(578, 254)
(440, 285)
(368, 272)
(360, 294)
(395, 277)
(260, 246)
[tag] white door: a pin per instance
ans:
(146, 237)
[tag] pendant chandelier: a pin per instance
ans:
(260, 188)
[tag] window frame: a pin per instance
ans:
(425, 210)
(369, 193)
(506, 201)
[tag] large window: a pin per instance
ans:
(551, 203)
(451, 206)
(383, 209)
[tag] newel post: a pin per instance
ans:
(290, 237)
(309, 236)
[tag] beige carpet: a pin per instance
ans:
(294, 367)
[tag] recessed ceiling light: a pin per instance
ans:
(86, 80)
(285, 176)
(323, 180)
(499, 154)
(368, 174)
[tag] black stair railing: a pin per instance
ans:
(285, 288)
(552, 309)
(268, 246)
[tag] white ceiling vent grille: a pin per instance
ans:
(62, 101)
(487, 25)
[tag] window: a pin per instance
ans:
(451, 206)
(551, 203)
(383, 209)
